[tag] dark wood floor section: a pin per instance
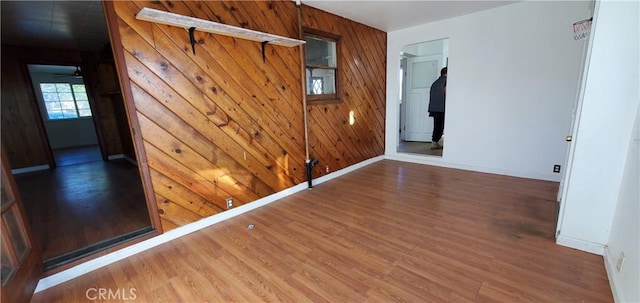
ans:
(390, 232)
(77, 155)
(73, 206)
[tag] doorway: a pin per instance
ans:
(420, 66)
(92, 197)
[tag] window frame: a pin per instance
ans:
(324, 98)
(75, 101)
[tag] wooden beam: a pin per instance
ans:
(186, 22)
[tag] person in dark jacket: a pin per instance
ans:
(437, 98)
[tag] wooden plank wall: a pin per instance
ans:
(362, 69)
(222, 123)
(23, 136)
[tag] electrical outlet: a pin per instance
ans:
(620, 261)
(229, 203)
(556, 168)
(327, 168)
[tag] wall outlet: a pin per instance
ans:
(556, 168)
(620, 261)
(229, 203)
(327, 168)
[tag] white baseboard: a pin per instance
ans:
(123, 156)
(438, 161)
(114, 157)
(30, 169)
(610, 267)
(115, 256)
(590, 247)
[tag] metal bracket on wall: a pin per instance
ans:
(264, 57)
(192, 39)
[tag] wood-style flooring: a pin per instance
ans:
(422, 148)
(81, 204)
(389, 232)
(77, 155)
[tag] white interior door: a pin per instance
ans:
(421, 72)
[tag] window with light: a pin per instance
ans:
(65, 100)
(321, 67)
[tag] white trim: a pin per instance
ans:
(30, 169)
(437, 161)
(612, 275)
(115, 256)
(114, 157)
(590, 247)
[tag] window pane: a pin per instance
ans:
(63, 87)
(55, 114)
(79, 88)
(321, 81)
(65, 96)
(85, 112)
(81, 96)
(52, 106)
(48, 87)
(70, 113)
(68, 105)
(50, 96)
(16, 232)
(320, 52)
(8, 266)
(82, 104)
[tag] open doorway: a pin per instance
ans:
(92, 198)
(420, 66)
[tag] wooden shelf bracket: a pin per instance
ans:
(191, 24)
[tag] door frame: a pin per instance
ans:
(95, 112)
(23, 282)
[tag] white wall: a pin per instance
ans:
(511, 87)
(600, 208)
(625, 230)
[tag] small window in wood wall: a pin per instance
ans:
(321, 60)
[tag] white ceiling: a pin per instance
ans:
(80, 25)
(389, 16)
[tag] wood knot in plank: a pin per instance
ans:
(199, 79)
(170, 4)
(164, 65)
(214, 90)
(177, 151)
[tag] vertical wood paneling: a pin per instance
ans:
(223, 123)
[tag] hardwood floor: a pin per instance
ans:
(78, 205)
(389, 232)
(77, 155)
(423, 148)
